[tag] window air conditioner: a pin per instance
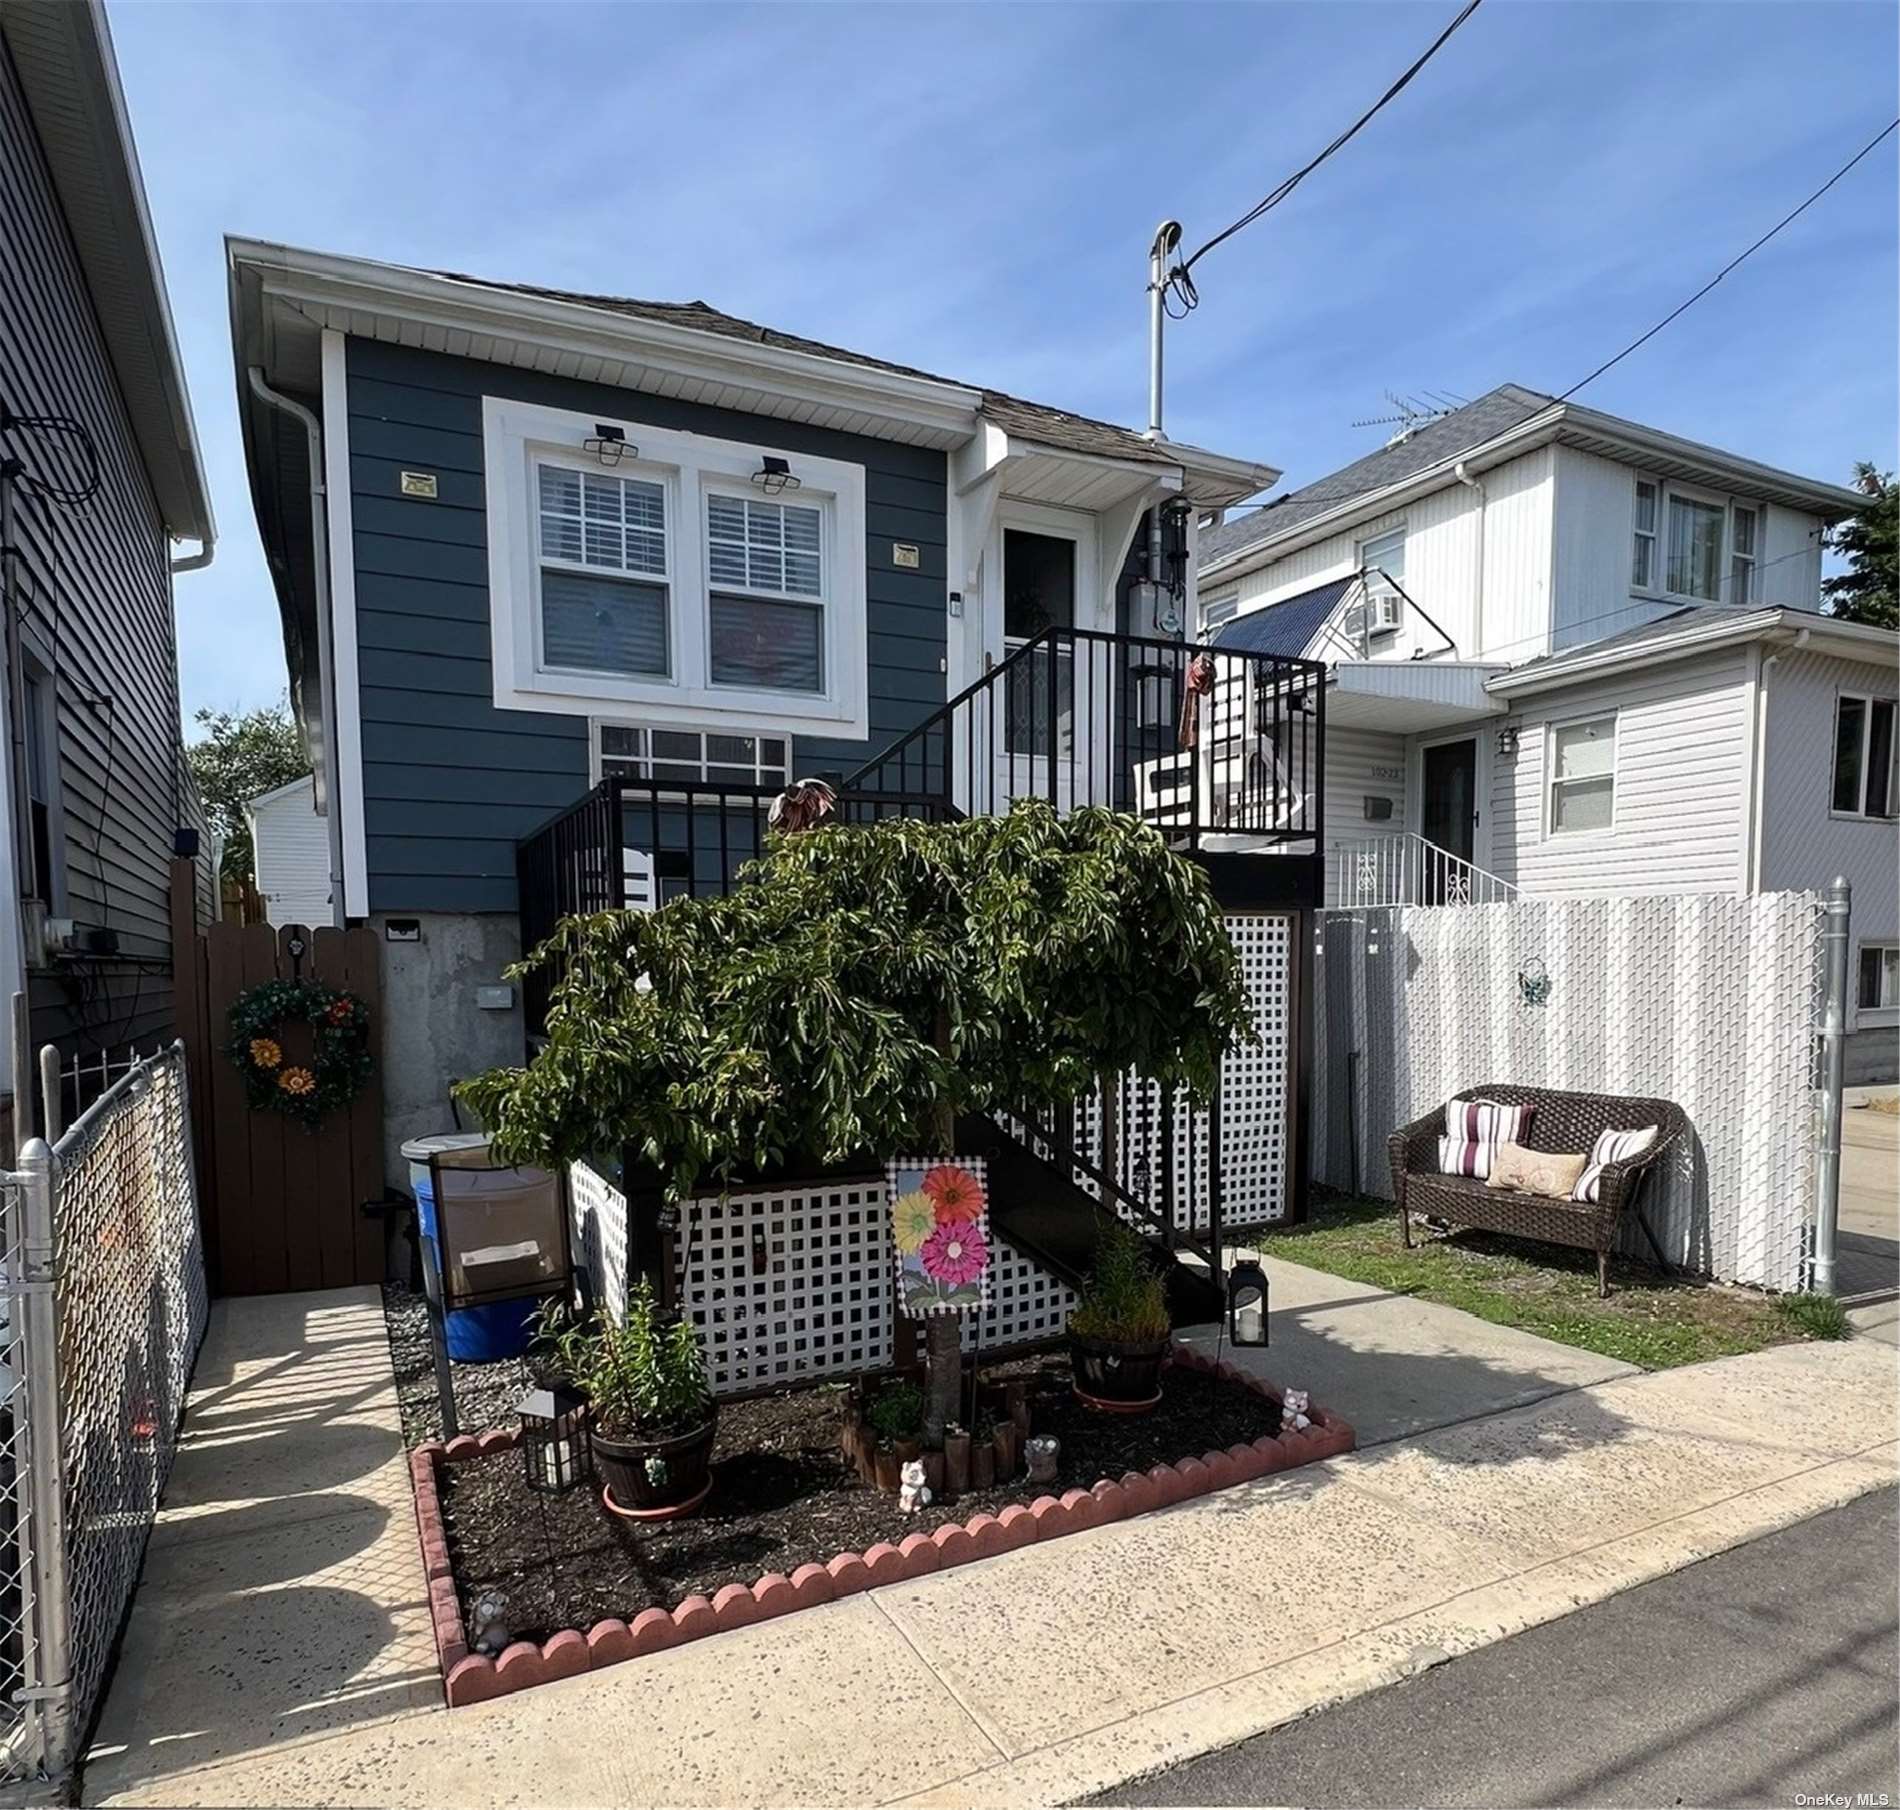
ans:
(1382, 613)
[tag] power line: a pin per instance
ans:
(1178, 279)
(1785, 220)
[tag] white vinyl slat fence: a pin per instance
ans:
(1707, 1000)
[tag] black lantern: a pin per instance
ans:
(555, 1448)
(1247, 1304)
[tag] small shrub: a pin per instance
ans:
(1124, 1298)
(1819, 1316)
(897, 1412)
(643, 1375)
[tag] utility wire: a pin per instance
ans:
(1785, 220)
(1181, 284)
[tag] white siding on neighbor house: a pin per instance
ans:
(1595, 528)
(1803, 844)
(1441, 567)
(292, 856)
(1362, 764)
(1681, 797)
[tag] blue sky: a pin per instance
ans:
(972, 189)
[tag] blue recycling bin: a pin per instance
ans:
(475, 1335)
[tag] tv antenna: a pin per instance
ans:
(1411, 412)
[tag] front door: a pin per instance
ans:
(1448, 815)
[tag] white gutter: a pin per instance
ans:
(320, 562)
(196, 562)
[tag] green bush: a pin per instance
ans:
(896, 1412)
(1124, 1297)
(860, 979)
(643, 1375)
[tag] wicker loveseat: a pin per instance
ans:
(1563, 1122)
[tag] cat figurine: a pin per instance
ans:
(916, 1492)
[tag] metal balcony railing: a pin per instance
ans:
(1406, 869)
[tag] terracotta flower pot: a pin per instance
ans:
(956, 1461)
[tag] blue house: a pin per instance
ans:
(572, 586)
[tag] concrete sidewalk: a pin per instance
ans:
(1060, 1670)
(283, 1595)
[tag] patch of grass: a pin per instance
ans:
(1819, 1316)
(1650, 1319)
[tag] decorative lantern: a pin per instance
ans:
(555, 1448)
(1247, 1304)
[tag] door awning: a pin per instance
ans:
(1409, 697)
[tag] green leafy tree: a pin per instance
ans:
(1869, 591)
(238, 757)
(863, 985)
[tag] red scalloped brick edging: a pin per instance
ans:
(474, 1678)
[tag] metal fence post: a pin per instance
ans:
(45, 1457)
(1827, 1173)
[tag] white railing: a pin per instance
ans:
(1406, 870)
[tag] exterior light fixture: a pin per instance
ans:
(775, 475)
(556, 1450)
(1247, 1304)
(609, 444)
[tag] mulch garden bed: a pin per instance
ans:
(790, 1524)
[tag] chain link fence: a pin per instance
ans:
(106, 1305)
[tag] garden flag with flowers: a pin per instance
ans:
(940, 1230)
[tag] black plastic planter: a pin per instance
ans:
(654, 1479)
(1122, 1375)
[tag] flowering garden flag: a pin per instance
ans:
(940, 1229)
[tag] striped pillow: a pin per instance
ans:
(1473, 1131)
(1611, 1147)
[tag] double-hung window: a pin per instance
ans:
(1583, 776)
(1866, 757)
(1688, 544)
(692, 583)
(1877, 987)
(1383, 562)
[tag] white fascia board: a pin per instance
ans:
(1560, 422)
(1586, 663)
(367, 288)
(1242, 477)
(277, 792)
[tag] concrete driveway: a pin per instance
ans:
(1868, 1255)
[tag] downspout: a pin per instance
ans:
(1477, 630)
(320, 561)
(196, 562)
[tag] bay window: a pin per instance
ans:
(688, 580)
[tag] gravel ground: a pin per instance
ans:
(486, 1395)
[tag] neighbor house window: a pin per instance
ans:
(1744, 553)
(1643, 552)
(688, 582)
(1223, 607)
(1879, 984)
(1694, 562)
(603, 571)
(693, 756)
(765, 562)
(1866, 777)
(1583, 775)
(1383, 562)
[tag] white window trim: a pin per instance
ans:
(1869, 699)
(516, 434)
(1665, 489)
(1870, 1017)
(1576, 720)
(597, 760)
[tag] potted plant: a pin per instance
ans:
(1119, 1331)
(653, 1416)
(895, 1417)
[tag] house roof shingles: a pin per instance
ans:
(1492, 414)
(1037, 421)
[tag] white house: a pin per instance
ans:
(1573, 655)
(291, 850)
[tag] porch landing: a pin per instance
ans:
(1040, 1676)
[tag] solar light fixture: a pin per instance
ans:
(775, 475)
(609, 444)
(556, 1451)
(1246, 1304)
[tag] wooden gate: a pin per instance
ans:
(282, 1206)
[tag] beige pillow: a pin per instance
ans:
(1535, 1171)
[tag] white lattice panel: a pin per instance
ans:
(1703, 999)
(1026, 1303)
(598, 1213)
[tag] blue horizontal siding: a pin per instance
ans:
(450, 782)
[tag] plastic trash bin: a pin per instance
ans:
(475, 1335)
